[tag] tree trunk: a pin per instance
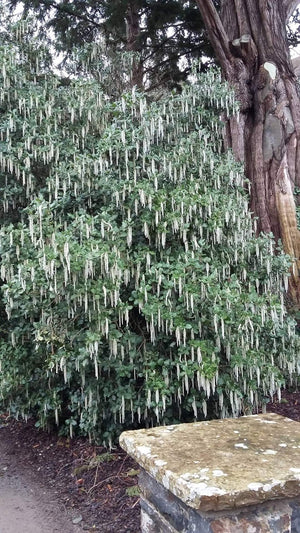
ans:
(133, 41)
(250, 41)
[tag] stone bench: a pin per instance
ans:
(222, 476)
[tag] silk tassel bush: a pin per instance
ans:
(135, 288)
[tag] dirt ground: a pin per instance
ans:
(50, 484)
(28, 507)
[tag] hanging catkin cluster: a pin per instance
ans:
(136, 290)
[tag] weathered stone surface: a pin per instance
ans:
(295, 516)
(162, 507)
(152, 521)
(261, 524)
(222, 464)
(163, 512)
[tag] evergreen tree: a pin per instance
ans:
(161, 32)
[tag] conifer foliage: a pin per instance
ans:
(136, 290)
(161, 31)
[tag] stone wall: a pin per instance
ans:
(162, 512)
(226, 476)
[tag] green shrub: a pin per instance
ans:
(136, 289)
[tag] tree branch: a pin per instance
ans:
(290, 6)
(68, 10)
(217, 35)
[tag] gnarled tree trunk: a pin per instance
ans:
(250, 42)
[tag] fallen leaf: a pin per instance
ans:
(133, 491)
(77, 519)
(132, 472)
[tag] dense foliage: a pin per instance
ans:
(168, 34)
(135, 288)
(163, 32)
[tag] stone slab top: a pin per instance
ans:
(222, 464)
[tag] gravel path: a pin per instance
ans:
(27, 506)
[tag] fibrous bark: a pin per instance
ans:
(250, 42)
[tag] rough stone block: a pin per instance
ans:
(222, 464)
